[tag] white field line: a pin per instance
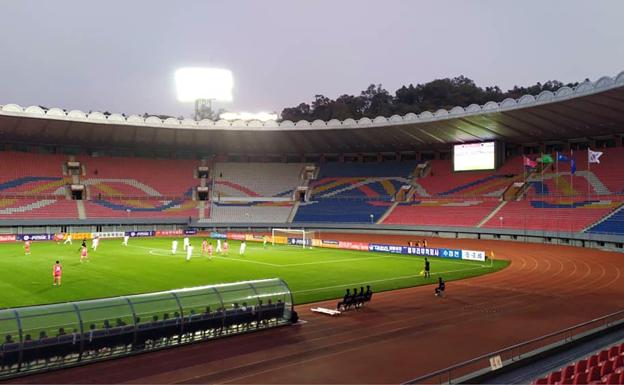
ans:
(152, 250)
(383, 280)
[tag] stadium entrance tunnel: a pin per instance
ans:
(40, 338)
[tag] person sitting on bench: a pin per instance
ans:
(353, 299)
(360, 297)
(368, 294)
(439, 291)
(345, 301)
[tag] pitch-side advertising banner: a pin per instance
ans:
(7, 238)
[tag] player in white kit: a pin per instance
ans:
(174, 246)
(218, 250)
(189, 252)
(243, 246)
(94, 243)
(68, 239)
(125, 241)
(187, 242)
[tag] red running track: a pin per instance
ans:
(401, 334)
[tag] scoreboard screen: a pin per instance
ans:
(474, 156)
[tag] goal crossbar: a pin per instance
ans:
(305, 235)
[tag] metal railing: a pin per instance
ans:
(519, 351)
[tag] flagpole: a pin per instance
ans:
(571, 174)
(588, 169)
(557, 171)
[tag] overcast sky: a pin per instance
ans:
(120, 55)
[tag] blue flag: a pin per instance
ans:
(562, 158)
(572, 166)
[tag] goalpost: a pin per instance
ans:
(294, 237)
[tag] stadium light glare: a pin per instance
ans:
(197, 83)
(262, 116)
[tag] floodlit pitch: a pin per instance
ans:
(147, 265)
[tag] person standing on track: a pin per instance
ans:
(427, 268)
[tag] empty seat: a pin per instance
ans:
(580, 366)
(603, 356)
(554, 377)
(568, 372)
(580, 379)
(593, 361)
(606, 368)
(594, 373)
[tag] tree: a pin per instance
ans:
(439, 93)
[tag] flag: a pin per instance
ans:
(546, 159)
(528, 162)
(562, 158)
(593, 156)
(572, 166)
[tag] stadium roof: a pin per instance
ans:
(592, 109)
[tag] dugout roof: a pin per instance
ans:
(590, 110)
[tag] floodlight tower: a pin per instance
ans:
(203, 86)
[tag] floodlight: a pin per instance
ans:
(262, 116)
(194, 84)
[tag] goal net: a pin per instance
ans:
(293, 237)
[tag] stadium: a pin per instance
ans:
(517, 205)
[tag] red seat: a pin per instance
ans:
(612, 379)
(554, 377)
(580, 366)
(618, 363)
(593, 361)
(580, 378)
(540, 381)
(594, 374)
(568, 372)
(603, 356)
(606, 368)
(621, 378)
(614, 351)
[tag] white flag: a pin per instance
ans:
(593, 156)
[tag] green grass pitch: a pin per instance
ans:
(146, 265)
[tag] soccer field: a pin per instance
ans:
(147, 265)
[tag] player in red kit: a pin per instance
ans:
(84, 254)
(27, 247)
(210, 250)
(225, 247)
(57, 271)
(204, 247)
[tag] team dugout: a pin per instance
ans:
(44, 337)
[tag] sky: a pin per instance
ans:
(121, 55)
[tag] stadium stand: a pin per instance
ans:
(33, 186)
(138, 177)
(442, 212)
(604, 367)
(254, 192)
(352, 192)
